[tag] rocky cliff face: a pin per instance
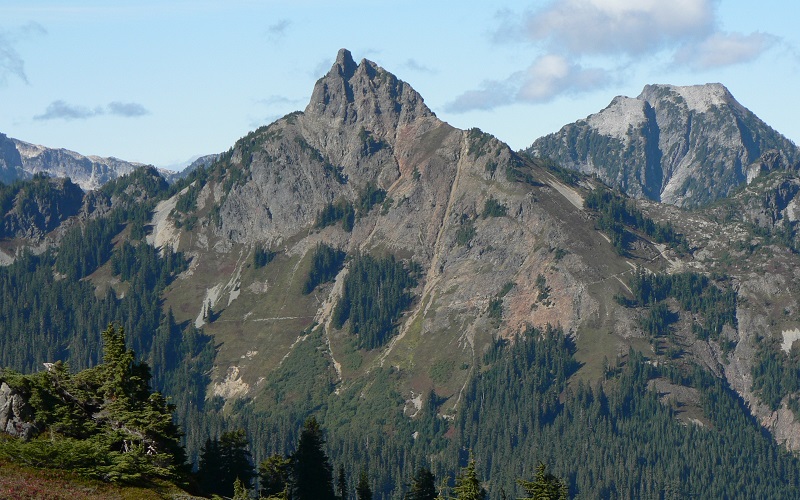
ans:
(10, 161)
(40, 207)
(359, 128)
(685, 146)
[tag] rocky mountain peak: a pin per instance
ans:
(682, 145)
(364, 95)
(697, 98)
(345, 64)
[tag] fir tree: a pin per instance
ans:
(423, 486)
(224, 461)
(545, 487)
(363, 491)
(468, 486)
(312, 474)
(273, 475)
(342, 483)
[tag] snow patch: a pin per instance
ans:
(618, 117)
(789, 337)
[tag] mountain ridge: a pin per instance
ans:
(682, 145)
(20, 160)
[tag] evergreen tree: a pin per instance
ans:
(240, 490)
(102, 422)
(363, 491)
(423, 486)
(209, 471)
(545, 487)
(224, 461)
(312, 474)
(342, 483)
(468, 486)
(273, 475)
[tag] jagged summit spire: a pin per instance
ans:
(364, 94)
(345, 65)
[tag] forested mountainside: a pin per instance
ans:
(686, 146)
(428, 295)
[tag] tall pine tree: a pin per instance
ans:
(423, 486)
(312, 474)
(468, 486)
(363, 491)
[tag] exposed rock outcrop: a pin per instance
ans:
(16, 415)
(39, 207)
(685, 146)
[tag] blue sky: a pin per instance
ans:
(163, 81)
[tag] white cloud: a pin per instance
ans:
(724, 49)
(491, 95)
(573, 36)
(619, 26)
(548, 77)
(552, 75)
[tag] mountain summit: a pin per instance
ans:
(686, 146)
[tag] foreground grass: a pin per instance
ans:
(26, 483)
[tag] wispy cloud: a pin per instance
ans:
(277, 31)
(492, 94)
(724, 49)
(414, 65)
(548, 77)
(126, 109)
(61, 110)
(277, 100)
(575, 37)
(11, 63)
(321, 68)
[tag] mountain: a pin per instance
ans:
(502, 241)
(686, 146)
(21, 160)
(425, 291)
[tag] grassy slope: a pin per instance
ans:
(19, 482)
